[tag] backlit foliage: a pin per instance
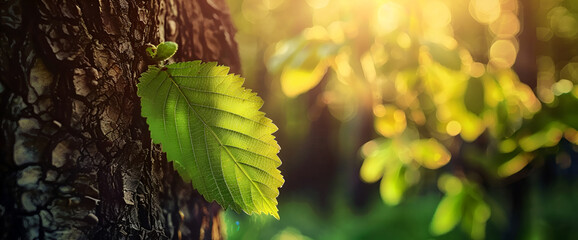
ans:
(440, 81)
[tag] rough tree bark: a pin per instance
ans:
(76, 159)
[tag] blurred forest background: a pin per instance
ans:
(417, 119)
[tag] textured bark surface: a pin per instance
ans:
(76, 159)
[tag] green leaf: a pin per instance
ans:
(163, 51)
(393, 184)
(449, 58)
(450, 209)
(447, 215)
(430, 153)
(212, 130)
(474, 96)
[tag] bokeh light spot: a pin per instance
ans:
(392, 121)
(563, 23)
(453, 128)
(503, 53)
(379, 110)
(562, 86)
(506, 26)
(336, 32)
(388, 17)
(477, 69)
(436, 14)
(485, 11)
(403, 40)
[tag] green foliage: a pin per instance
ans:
(163, 51)
(462, 201)
(302, 62)
(446, 57)
(440, 86)
(430, 98)
(474, 96)
(212, 130)
(302, 221)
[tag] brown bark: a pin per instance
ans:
(76, 159)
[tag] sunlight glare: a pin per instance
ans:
(485, 11)
(389, 15)
(317, 4)
(436, 14)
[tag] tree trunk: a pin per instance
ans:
(76, 159)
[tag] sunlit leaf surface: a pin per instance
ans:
(212, 130)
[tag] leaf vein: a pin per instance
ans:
(220, 94)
